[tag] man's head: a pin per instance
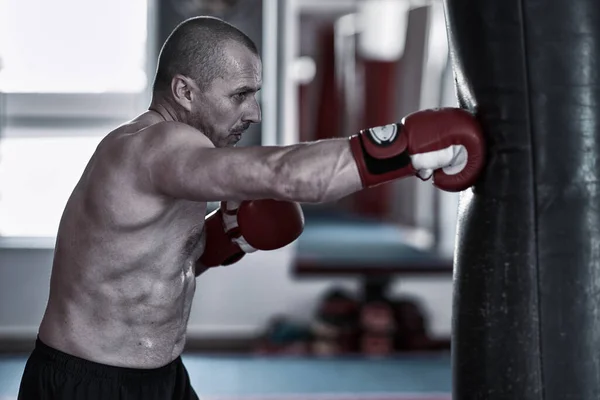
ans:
(209, 72)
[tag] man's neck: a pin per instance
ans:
(163, 109)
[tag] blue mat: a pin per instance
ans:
(232, 377)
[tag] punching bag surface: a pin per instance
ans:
(526, 316)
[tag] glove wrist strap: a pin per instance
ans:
(381, 158)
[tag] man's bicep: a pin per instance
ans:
(211, 174)
(237, 173)
(192, 169)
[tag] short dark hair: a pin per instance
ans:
(195, 49)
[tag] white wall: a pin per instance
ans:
(233, 301)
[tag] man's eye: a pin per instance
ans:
(240, 96)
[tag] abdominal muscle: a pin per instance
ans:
(126, 303)
(123, 276)
(135, 320)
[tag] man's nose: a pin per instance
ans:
(253, 113)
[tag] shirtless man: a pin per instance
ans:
(132, 237)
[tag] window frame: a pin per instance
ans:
(82, 109)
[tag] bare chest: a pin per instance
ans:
(188, 221)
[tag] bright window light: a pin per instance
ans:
(37, 176)
(62, 48)
(73, 46)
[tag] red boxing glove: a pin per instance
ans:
(219, 248)
(235, 229)
(269, 224)
(447, 143)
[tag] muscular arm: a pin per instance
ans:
(183, 163)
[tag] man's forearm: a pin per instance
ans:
(445, 143)
(317, 172)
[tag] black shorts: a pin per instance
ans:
(53, 375)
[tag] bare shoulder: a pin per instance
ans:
(149, 151)
(137, 147)
(169, 133)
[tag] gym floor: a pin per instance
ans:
(414, 377)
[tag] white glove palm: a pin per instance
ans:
(231, 225)
(452, 160)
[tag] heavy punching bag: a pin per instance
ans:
(526, 316)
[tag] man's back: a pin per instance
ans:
(123, 273)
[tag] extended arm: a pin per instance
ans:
(182, 163)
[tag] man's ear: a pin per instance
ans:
(182, 90)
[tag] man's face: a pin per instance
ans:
(228, 106)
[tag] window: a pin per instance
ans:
(72, 46)
(37, 175)
(70, 71)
